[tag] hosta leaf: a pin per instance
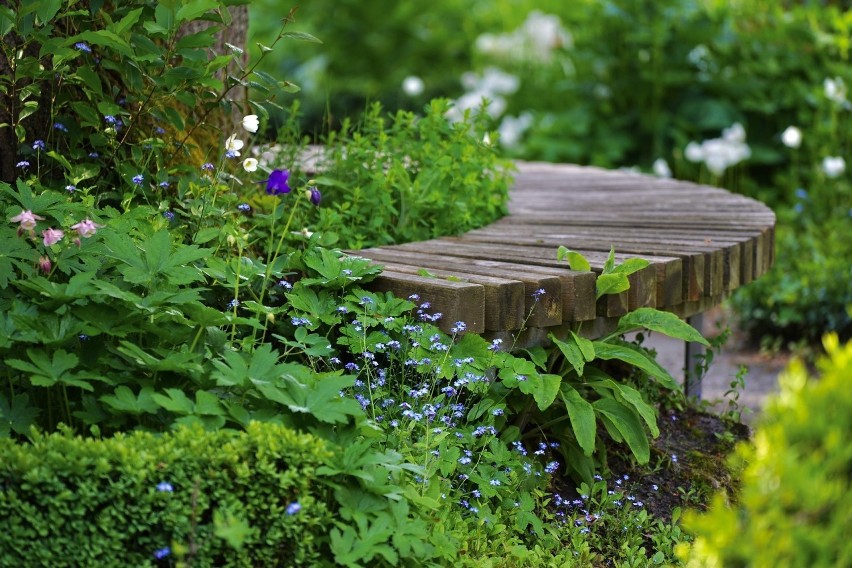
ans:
(662, 322)
(634, 356)
(582, 417)
(622, 422)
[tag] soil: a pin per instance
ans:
(689, 463)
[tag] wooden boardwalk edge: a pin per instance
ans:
(702, 244)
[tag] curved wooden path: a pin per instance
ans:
(702, 243)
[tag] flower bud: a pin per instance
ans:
(44, 264)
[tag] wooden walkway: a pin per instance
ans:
(702, 243)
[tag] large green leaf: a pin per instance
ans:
(631, 396)
(636, 357)
(576, 261)
(582, 417)
(576, 349)
(661, 322)
(16, 415)
(623, 423)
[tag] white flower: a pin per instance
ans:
(234, 145)
(512, 129)
(536, 40)
(835, 89)
(413, 86)
(250, 165)
(661, 168)
(694, 152)
(833, 166)
(791, 137)
(251, 123)
(734, 133)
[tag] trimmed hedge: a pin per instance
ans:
(209, 498)
(796, 504)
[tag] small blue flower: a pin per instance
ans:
(277, 182)
(138, 179)
(538, 293)
(208, 167)
(244, 207)
(83, 337)
(164, 184)
(551, 467)
(83, 46)
(165, 487)
(159, 131)
(232, 304)
(70, 188)
(161, 553)
(111, 120)
(293, 508)
(60, 127)
(22, 164)
(39, 145)
(169, 216)
(230, 154)
(459, 327)
(94, 155)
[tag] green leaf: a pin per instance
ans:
(46, 371)
(609, 264)
(628, 395)
(16, 415)
(582, 417)
(106, 38)
(662, 322)
(611, 284)
(630, 266)
(577, 351)
(47, 10)
(302, 36)
(194, 9)
(208, 404)
(175, 401)
(127, 22)
(634, 356)
(125, 402)
(576, 261)
(623, 423)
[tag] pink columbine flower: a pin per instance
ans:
(52, 236)
(27, 220)
(86, 228)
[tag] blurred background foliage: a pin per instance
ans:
(624, 83)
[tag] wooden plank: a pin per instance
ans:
(504, 299)
(456, 301)
(543, 312)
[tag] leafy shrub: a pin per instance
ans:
(206, 498)
(406, 178)
(806, 291)
(794, 505)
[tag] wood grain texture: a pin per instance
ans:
(702, 243)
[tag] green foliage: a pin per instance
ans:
(793, 508)
(807, 291)
(209, 498)
(404, 178)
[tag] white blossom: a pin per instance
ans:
(251, 123)
(661, 168)
(234, 145)
(791, 137)
(719, 154)
(835, 89)
(250, 165)
(413, 86)
(833, 166)
(535, 40)
(512, 129)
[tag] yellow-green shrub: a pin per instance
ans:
(796, 506)
(214, 498)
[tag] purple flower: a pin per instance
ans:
(161, 553)
(38, 145)
(83, 46)
(315, 196)
(208, 167)
(70, 188)
(23, 164)
(244, 207)
(293, 508)
(138, 179)
(169, 216)
(277, 182)
(60, 127)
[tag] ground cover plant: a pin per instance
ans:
(199, 372)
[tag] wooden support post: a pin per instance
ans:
(693, 360)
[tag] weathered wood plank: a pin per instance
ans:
(456, 301)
